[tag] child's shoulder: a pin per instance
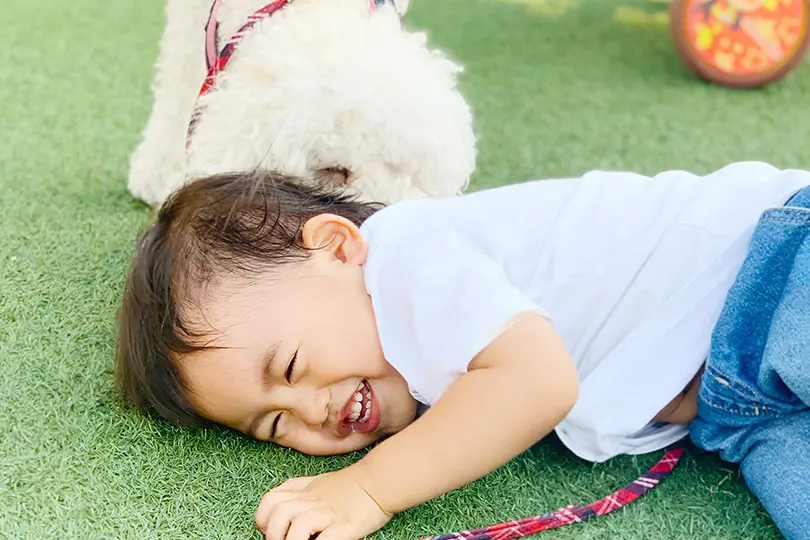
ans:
(493, 215)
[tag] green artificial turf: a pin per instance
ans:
(558, 86)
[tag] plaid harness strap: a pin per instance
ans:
(216, 61)
(574, 513)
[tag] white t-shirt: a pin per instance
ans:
(631, 270)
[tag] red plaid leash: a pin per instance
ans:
(573, 513)
(224, 56)
(216, 62)
(211, 39)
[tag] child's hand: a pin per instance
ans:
(333, 504)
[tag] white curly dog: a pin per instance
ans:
(319, 87)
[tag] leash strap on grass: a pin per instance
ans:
(573, 513)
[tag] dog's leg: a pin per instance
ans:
(158, 164)
(402, 6)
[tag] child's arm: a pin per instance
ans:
(515, 392)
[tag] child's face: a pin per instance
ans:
(299, 347)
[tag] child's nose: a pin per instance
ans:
(315, 408)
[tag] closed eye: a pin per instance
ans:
(291, 368)
(275, 427)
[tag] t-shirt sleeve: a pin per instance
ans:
(438, 302)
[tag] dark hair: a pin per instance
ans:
(234, 223)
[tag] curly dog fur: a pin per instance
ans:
(322, 87)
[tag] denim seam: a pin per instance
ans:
(786, 208)
(787, 214)
(743, 390)
(752, 411)
(767, 219)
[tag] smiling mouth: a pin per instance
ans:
(360, 414)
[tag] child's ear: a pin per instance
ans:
(337, 236)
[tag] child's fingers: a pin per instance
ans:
(306, 524)
(282, 515)
(269, 501)
(297, 483)
(339, 532)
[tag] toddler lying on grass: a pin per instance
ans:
(618, 310)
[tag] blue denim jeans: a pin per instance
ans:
(754, 398)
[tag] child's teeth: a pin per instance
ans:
(366, 412)
(360, 410)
